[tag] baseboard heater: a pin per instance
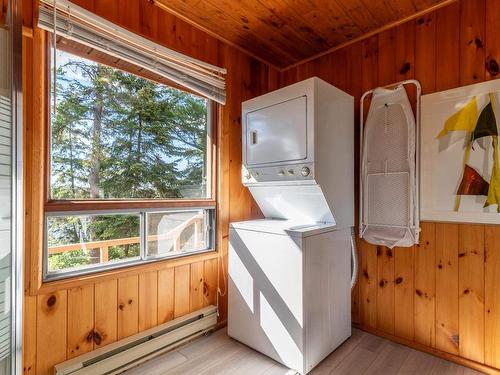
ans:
(131, 351)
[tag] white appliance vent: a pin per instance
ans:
(131, 351)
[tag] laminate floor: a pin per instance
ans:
(363, 353)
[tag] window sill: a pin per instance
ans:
(125, 271)
(122, 204)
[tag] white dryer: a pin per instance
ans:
(289, 274)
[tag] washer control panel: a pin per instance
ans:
(293, 172)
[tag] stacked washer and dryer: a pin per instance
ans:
(290, 273)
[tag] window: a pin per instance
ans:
(125, 153)
(177, 232)
(116, 135)
(82, 243)
(77, 241)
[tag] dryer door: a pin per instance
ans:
(277, 133)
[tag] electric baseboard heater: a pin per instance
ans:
(124, 354)
(389, 178)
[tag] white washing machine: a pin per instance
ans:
(289, 289)
(289, 274)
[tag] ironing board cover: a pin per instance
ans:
(388, 170)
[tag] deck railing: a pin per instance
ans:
(104, 245)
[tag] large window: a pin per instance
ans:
(118, 135)
(119, 138)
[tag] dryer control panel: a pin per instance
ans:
(302, 172)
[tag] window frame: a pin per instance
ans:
(143, 257)
(68, 207)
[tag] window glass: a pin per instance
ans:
(115, 135)
(176, 233)
(85, 241)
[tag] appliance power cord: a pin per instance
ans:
(354, 259)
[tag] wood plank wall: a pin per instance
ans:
(66, 322)
(3, 12)
(443, 294)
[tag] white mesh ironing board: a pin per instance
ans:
(389, 170)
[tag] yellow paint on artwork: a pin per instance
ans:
(464, 120)
(493, 104)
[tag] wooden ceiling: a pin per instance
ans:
(284, 32)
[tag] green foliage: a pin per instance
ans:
(69, 259)
(117, 135)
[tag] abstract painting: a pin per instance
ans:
(459, 169)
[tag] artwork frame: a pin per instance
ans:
(459, 166)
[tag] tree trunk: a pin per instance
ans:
(139, 140)
(95, 156)
(72, 162)
(138, 155)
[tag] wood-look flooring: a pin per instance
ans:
(363, 353)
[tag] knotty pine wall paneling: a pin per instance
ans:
(447, 288)
(80, 320)
(166, 295)
(418, 295)
(148, 300)
(471, 291)
(442, 295)
(105, 312)
(64, 322)
(182, 276)
(128, 310)
(492, 296)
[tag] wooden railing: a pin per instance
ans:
(103, 246)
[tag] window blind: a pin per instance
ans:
(5, 222)
(75, 23)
